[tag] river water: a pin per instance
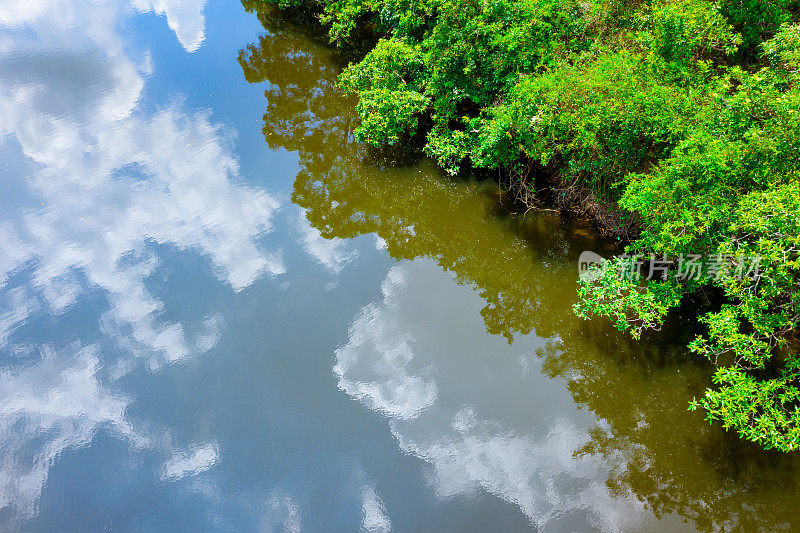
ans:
(220, 313)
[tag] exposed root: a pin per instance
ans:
(569, 198)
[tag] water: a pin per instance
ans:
(218, 312)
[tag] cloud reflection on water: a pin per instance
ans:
(374, 517)
(185, 18)
(442, 405)
(56, 404)
(332, 253)
(116, 185)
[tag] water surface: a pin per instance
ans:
(219, 312)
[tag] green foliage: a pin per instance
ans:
(755, 20)
(765, 411)
(388, 83)
(783, 50)
(599, 120)
(686, 30)
(684, 114)
(615, 289)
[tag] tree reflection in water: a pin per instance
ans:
(524, 269)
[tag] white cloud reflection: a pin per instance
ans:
(185, 18)
(516, 442)
(45, 409)
(334, 253)
(282, 513)
(373, 512)
(198, 458)
(118, 185)
(386, 383)
(115, 181)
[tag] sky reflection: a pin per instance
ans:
(467, 408)
(116, 185)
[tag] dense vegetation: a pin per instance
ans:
(674, 123)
